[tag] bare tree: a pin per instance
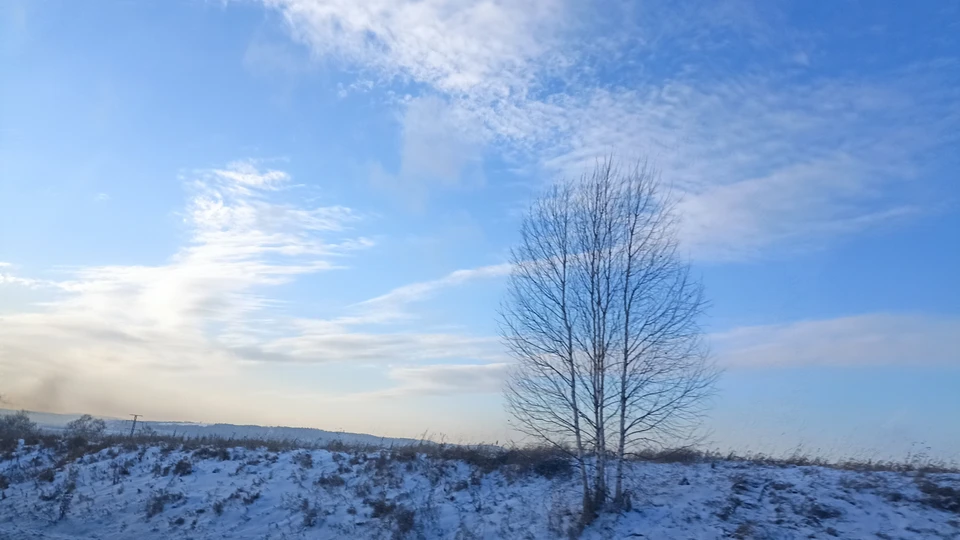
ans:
(538, 325)
(663, 373)
(601, 317)
(597, 231)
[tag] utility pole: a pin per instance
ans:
(134, 426)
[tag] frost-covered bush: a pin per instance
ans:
(14, 427)
(81, 431)
(87, 427)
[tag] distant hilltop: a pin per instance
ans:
(56, 422)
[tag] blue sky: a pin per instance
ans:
(298, 212)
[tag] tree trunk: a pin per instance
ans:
(622, 443)
(600, 484)
(587, 514)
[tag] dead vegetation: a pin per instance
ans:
(546, 461)
(159, 500)
(912, 464)
(378, 477)
(939, 496)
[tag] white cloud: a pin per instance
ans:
(320, 342)
(177, 328)
(445, 379)
(7, 277)
(436, 150)
(862, 340)
(23, 282)
(183, 315)
(762, 161)
(456, 46)
(758, 165)
(339, 340)
(481, 52)
(102, 197)
(482, 378)
(390, 305)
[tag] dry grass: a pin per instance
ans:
(913, 464)
(159, 500)
(544, 461)
(938, 496)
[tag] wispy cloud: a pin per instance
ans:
(9, 279)
(436, 150)
(207, 313)
(391, 305)
(758, 163)
(321, 342)
(452, 379)
(455, 46)
(349, 338)
(443, 379)
(761, 160)
(862, 340)
(8, 276)
(186, 314)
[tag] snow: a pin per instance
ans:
(156, 492)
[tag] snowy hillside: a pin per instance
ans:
(160, 491)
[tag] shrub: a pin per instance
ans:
(310, 513)
(544, 461)
(210, 452)
(47, 475)
(940, 497)
(159, 500)
(304, 459)
(405, 519)
(183, 468)
(66, 496)
(381, 508)
(727, 511)
(818, 512)
(362, 490)
(14, 427)
(330, 481)
(554, 467)
(87, 427)
(744, 530)
(78, 433)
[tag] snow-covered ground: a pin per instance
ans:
(152, 492)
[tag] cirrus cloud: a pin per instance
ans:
(861, 340)
(207, 313)
(762, 160)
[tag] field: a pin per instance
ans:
(199, 489)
